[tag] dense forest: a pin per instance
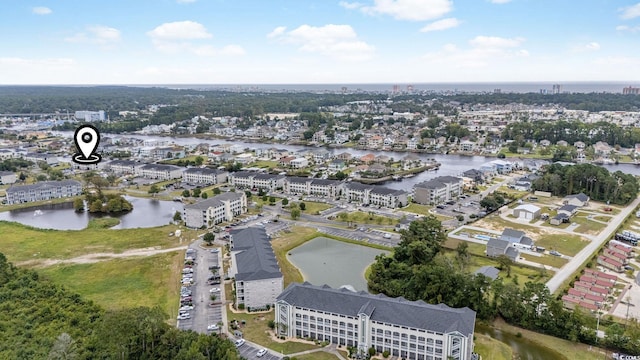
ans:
(572, 131)
(595, 181)
(42, 320)
(418, 270)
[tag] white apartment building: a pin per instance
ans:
(438, 190)
(308, 186)
(375, 195)
(223, 207)
(299, 163)
(258, 280)
(7, 177)
(411, 330)
(124, 167)
(38, 157)
(45, 190)
(253, 179)
(159, 171)
(90, 115)
(204, 176)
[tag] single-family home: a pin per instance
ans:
(579, 200)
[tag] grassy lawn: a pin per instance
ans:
(265, 164)
(474, 248)
(21, 243)
(125, 283)
(256, 330)
(418, 209)
(602, 218)
(314, 208)
(497, 223)
(361, 217)
(563, 243)
(550, 260)
(186, 158)
(587, 226)
(492, 349)
(318, 355)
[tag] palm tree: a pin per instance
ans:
(64, 348)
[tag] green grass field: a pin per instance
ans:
(418, 209)
(563, 243)
(22, 243)
(318, 355)
(550, 260)
(125, 283)
(492, 349)
(314, 208)
(361, 217)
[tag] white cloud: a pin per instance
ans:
(277, 32)
(337, 41)
(592, 46)
(41, 10)
(443, 24)
(499, 1)
(97, 34)
(483, 51)
(630, 12)
(632, 29)
(232, 50)
(179, 30)
(412, 10)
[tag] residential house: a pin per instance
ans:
(467, 145)
(244, 158)
(502, 166)
(497, 247)
(406, 329)
(578, 200)
(336, 165)
(488, 271)
(601, 148)
(255, 269)
(568, 210)
(559, 219)
(438, 190)
(367, 158)
(44, 190)
(222, 207)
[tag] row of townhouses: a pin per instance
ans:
(44, 190)
(223, 207)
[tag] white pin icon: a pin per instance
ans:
(87, 138)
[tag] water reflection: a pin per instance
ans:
(523, 349)
(146, 213)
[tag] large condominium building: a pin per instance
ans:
(407, 329)
(375, 195)
(254, 179)
(258, 279)
(44, 190)
(438, 190)
(160, 172)
(204, 176)
(124, 167)
(316, 187)
(223, 207)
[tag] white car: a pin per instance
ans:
(214, 290)
(239, 342)
(186, 308)
(212, 327)
(261, 352)
(184, 316)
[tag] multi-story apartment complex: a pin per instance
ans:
(159, 171)
(204, 176)
(257, 180)
(407, 329)
(44, 190)
(438, 190)
(41, 157)
(375, 195)
(124, 167)
(308, 186)
(258, 280)
(223, 207)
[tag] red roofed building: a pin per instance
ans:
(615, 255)
(570, 302)
(622, 250)
(588, 279)
(599, 290)
(604, 283)
(589, 306)
(582, 285)
(610, 263)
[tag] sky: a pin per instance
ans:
(318, 41)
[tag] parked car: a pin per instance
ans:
(554, 253)
(214, 251)
(184, 316)
(214, 290)
(261, 352)
(239, 342)
(186, 308)
(212, 327)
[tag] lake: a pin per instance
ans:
(523, 349)
(146, 213)
(332, 262)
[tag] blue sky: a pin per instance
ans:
(318, 41)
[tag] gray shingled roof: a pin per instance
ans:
(416, 314)
(298, 179)
(203, 171)
(42, 185)
(255, 260)
(124, 163)
(214, 201)
(438, 182)
(582, 197)
(161, 167)
(488, 271)
(569, 208)
(512, 233)
(496, 247)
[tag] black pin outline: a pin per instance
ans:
(79, 158)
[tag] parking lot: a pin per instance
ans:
(249, 351)
(202, 315)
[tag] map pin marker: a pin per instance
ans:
(87, 138)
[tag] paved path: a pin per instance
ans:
(561, 276)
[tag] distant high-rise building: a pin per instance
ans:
(396, 89)
(497, 91)
(630, 90)
(344, 89)
(557, 89)
(409, 88)
(90, 115)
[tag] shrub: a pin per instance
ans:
(271, 324)
(241, 307)
(385, 354)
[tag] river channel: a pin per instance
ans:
(522, 348)
(146, 213)
(332, 262)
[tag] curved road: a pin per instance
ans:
(561, 276)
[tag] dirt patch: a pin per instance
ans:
(97, 257)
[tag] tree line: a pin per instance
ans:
(40, 319)
(419, 270)
(595, 181)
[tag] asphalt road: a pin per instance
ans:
(250, 350)
(554, 283)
